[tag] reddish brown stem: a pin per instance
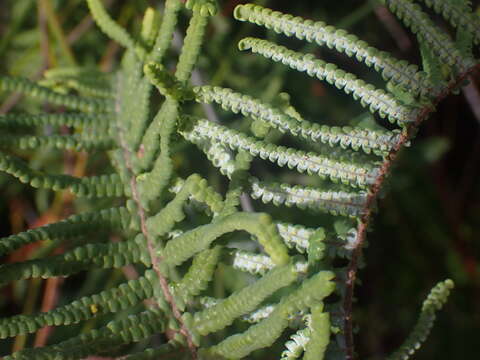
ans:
(367, 212)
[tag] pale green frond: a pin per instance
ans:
(334, 202)
(376, 100)
(398, 71)
(378, 142)
(31, 89)
(436, 299)
(423, 27)
(348, 173)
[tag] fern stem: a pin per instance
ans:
(368, 209)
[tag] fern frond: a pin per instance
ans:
(73, 226)
(459, 14)
(185, 246)
(150, 26)
(118, 332)
(376, 100)
(109, 26)
(31, 89)
(199, 274)
(435, 300)
(348, 173)
(116, 299)
(319, 334)
(68, 142)
(252, 263)
(201, 9)
(378, 142)
(263, 334)
(77, 121)
(334, 202)
(94, 186)
(398, 71)
(296, 345)
(165, 34)
(244, 301)
(107, 256)
(423, 27)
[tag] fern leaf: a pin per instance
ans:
(267, 331)
(109, 26)
(319, 334)
(33, 90)
(348, 173)
(68, 142)
(399, 72)
(116, 299)
(77, 121)
(379, 142)
(199, 274)
(94, 186)
(333, 202)
(427, 32)
(183, 247)
(73, 226)
(436, 299)
(225, 312)
(375, 99)
(296, 345)
(165, 34)
(459, 14)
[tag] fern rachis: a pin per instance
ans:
(293, 267)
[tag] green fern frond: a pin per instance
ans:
(423, 27)
(333, 202)
(436, 299)
(459, 14)
(348, 173)
(42, 93)
(376, 100)
(379, 142)
(67, 142)
(73, 226)
(94, 186)
(398, 71)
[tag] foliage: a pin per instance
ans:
(179, 232)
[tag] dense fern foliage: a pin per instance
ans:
(178, 231)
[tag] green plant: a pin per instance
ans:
(296, 271)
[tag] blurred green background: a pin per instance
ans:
(427, 227)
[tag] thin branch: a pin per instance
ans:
(155, 259)
(374, 191)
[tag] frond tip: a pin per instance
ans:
(435, 300)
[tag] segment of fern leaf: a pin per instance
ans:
(116, 299)
(267, 331)
(73, 226)
(420, 24)
(319, 334)
(435, 300)
(225, 312)
(334, 202)
(69, 142)
(101, 122)
(34, 90)
(198, 275)
(375, 99)
(378, 142)
(459, 14)
(398, 71)
(348, 173)
(94, 186)
(109, 26)
(184, 246)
